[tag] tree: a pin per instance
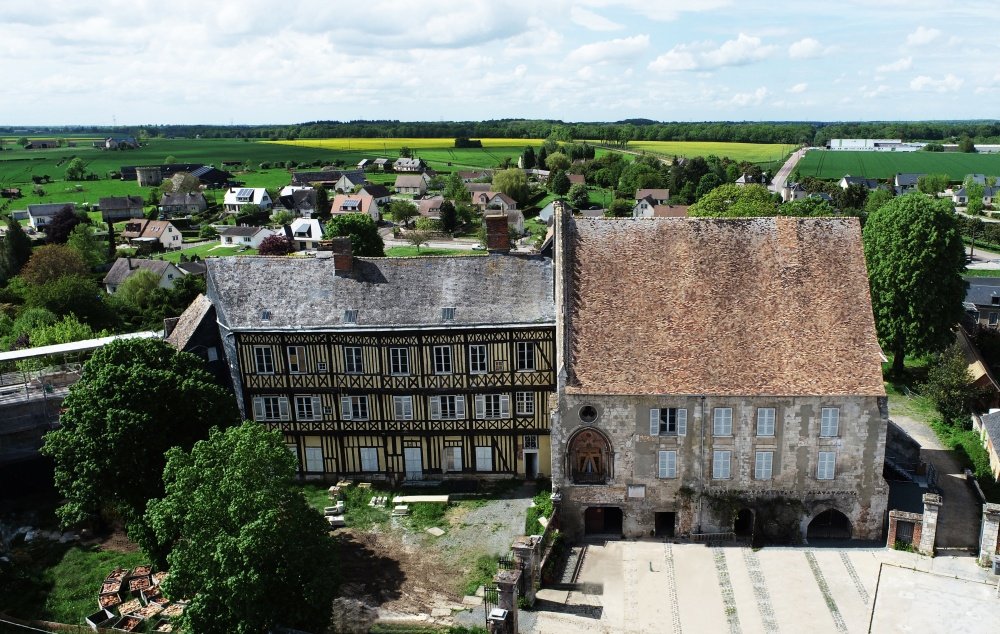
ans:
(405, 152)
(417, 238)
(578, 196)
(276, 245)
(282, 217)
(322, 205)
(932, 183)
(512, 182)
(876, 199)
(76, 170)
(853, 197)
(619, 208)
(22, 141)
(560, 183)
(966, 144)
(170, 160)
(62, 224)
(66, 330)
(208, 232)
(933, 147)
(15, 250)
(974, 196)
(950, 386)
(363, 232)
(558, 161)
(71, 294)
(135, 399)
(52, 261)
(806, 207)
(239, 528)
(528, 158)
(735, 201)
(640, 175)
(402, 211)
(543, 155)
(138, 289)
(84, 242)
(455, 189)
(915, 258)
(448, 216)
(707, 183)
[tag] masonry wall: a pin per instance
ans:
(857, 490)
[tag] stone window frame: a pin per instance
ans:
(720, 457)
(773, 422)
(763, 471)
(829, 426)
(720, 421)
(666, 464)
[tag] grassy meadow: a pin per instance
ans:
(830, 165)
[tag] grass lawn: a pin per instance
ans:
(207, 250)
(981, 273)
(61, 584)
(409, 252)
(832, 165)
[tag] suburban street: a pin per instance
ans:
(778, 182)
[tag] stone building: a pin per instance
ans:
(717, 376)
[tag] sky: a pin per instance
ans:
(138, 62)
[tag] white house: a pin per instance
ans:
(349, 180)
(239, 197)
(410, 184)
(305, 233)
(39, 215)
(355, 204)
(152, 232)
(244, 235)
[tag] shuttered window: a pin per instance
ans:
(492, 406)
(722, 422)
(668, 421)
(369, 458)
(308, 408)
(667, 464)
(354, 407)
(448, 407)
(826, 465)
(763, 461)
(270, 408)
(721, 465)
(829, 422)
(765, 421)
(402, 407)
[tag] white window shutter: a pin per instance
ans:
(435, 408)
(258, 408)
(682, 422)
(671, 464)
(480, 406)
(504, 406)
(317, 403)
(283, 408)
(654, 421)
(459, 407)
(408, 408)
(397, 402)
(345, 408)
(663, 464)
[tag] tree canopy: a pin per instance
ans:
(84, 242)
(76, 170)
(448, 216)
(135, 399)
(62, 224)
(52, 261)
(811, 206)
(915, 258)
(402, 211)
(245, 545)
(15, 250)
(578, 196)
(560, 183)
(363, 232)
(619, 208)
(512, 182)
(735, 201)
(276, 245)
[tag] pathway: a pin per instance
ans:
(778, 182)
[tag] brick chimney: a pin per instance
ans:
(343, 254)
(497, 233)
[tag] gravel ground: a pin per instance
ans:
(489, 528)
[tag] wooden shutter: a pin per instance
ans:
(459, 407)
(345, 408)
(663, 464)
(480, 406)
(283, 409)
(682, 422)
(435, 408)
(504, 406)
(654, 421)
(258, 408)
(317, 403)
(397, 407)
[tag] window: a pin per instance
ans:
(354, 407)
(314, 459)
(448, 314)
(492, 406)
(452, 459)
(263, 360)
(369, 458)
(270, 408)
(765, 421)
(994, 319)
(484, 459)
(829, 422)
(669, 421)
(525, 356)
(296, 359)
(531, 442)
(762, 465)
(477, 359)
(442, 359)
(826, 464)
(721, 463)
(308, 408)
(350, 314)
(352, 360)
(667, 464)
(723, 422)
(525, 403)
(399, 361)
(447, 407)
(402, 407)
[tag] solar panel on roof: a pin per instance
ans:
(245, 192)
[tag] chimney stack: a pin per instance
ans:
(343, 254)
(497, 233)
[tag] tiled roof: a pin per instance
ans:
(656, 194)
(120, 270)
(240, 231)
(189, 321)
(410, 180)
(305, 293)
(773, 306)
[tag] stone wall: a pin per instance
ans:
(857, 490)
(902, 516)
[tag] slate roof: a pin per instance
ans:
(121, 203)
(375, 191)
(48, 209)
(982, 290)
(189, 321)
(991, 422)
(304, 293)
(182, 199)
(307, 178)
(907, 180)
(241, 231)
(868, 183)
(120, 270)
(410, 180)
(191, 268)
(761, 306)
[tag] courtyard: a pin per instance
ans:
(652, 586)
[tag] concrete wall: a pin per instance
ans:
(857, 490)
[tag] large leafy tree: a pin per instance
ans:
(135, 399)
(402, 211)
(71, 294)
(950, 386)
(52, 261)
(735, 201)
(246, 546)
(62, 224)
(448, 216)
(363, 232)
(15, 249)
(455, 189)
(276, 245)
(512, 182)
(578, 196)
(83, 240)
(915, 258)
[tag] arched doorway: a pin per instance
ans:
(830, 524)
(743, 524)
(603, 520)
(589, 457)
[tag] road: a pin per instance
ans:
(778, 182)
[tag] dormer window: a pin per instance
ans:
(448, 314)
(995, 300)
(265, 315)
(350, 316)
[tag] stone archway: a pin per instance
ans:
(589, 455)
(830, 524)
(743, 523)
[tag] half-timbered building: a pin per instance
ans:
(396, 368)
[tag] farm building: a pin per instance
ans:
(872, 145)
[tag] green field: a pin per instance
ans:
(830, 165)
(438, 153)
(753, 152)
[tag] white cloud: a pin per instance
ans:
(593, 21)
(901, 64)
(797, 88)
(619, 48)
(805, 49)
(874, 92)
(663, 11)
(702, 56)
(921, 36)
(946, 84)
(749, 98)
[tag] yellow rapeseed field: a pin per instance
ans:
(753, 152)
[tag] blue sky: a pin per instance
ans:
(256, 61)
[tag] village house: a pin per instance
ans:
(244, 236)
(739, 391)
(982, 302)
(906, 183)
(652, 203)
(376, 369)
(298, 199)
(792, 191)
(40, 214)
(124, 268)
(469, 176)
(42, 144)
(305, 233)
(430, 207)
(355, 204)
(403, 164)
(115, 208)
(349, 180)
(961, 197)
(868, 183)
(988, 428)
(183, 203)
(152, 235)
(411, 184)
(380, 194)
(239, 197)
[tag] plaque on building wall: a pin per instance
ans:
(637, 490)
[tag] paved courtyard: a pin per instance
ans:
(651, 586)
